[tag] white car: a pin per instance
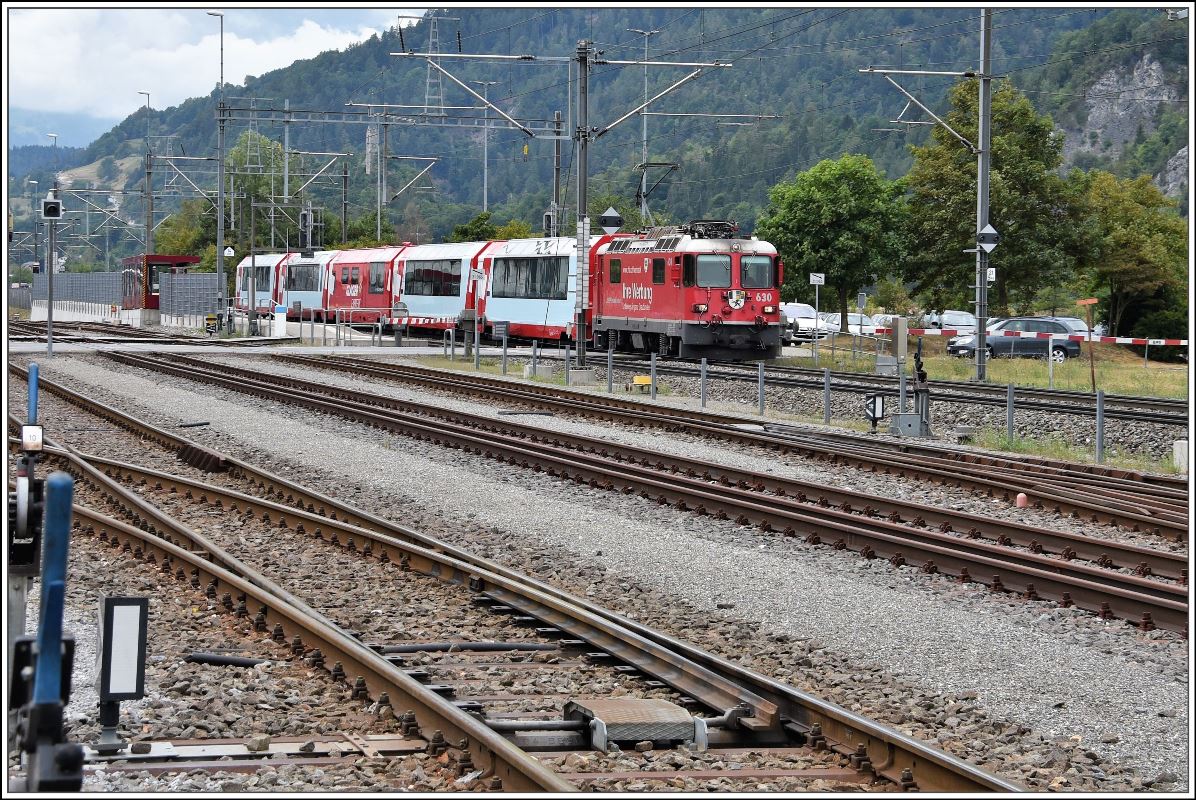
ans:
(961, 321)
(804, 323)
(856, 323)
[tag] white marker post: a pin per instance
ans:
(121, 656)
(816, 279)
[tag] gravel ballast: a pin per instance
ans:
(935, 640)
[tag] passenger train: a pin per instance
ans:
(688, 291)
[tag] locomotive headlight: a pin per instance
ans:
(701, 308)
(769, 309)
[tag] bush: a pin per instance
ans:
(1168, 324)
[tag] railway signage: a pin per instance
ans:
(31, 438)
(992, 274)
(501, 329)
(229, 252)
(861, 300)
(817, 278)
(988, 238)
(610, 220)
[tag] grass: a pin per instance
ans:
(1118, 369)
(493, 366)
(1055, 447)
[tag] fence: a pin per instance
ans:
(87, 287)
(74, 311)
(188, 294)
(20, 297)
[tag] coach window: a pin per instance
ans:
(714, 271)
(544, 278)
(616, 270)
(356, 279)
(756, 272)
(261, 277)
(658, 270)
(303, 277)
(377, 277)
(439, 278)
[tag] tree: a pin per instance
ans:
(1038, 213)
(1140, 243)
(478, 229)
(841, 218)
(515, 229)
(107, 169)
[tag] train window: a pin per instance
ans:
(261, 277)
(377, 277)
(356, 279)
(303, 277)
(658, 270)
(616, 270)
(756, 272)
(440, 278)
(541, 278)
(714, 271)
(688, 278)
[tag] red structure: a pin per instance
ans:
(139, 277)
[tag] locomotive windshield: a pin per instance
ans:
(756, 272)
(714, 271)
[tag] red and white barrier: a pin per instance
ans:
(1075, 337)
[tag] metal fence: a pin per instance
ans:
(87, 287)
(193, 293)
(20, 297)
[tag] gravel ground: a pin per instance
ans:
(1033, 699)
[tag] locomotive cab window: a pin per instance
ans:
(658, 270)
(377, 277)
(616, 270)
(714, 271)
(756, 272)
(344, 274)
(688, 271)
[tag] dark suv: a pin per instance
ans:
(1014, 346)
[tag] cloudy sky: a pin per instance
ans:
(92, 61)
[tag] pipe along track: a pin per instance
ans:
(1123, 497)
(1094, 588)
(803, 717)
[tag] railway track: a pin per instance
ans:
(1153, 503)
(902, 535)
(1160, 410)
(742, 707)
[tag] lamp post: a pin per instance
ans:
(486, 142)
(644, 118)
(147, 120)
(220, 282)
(52, 252)
(36, 224)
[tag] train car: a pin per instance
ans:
(140, 283)
(266, 288)
(434, 283)
(532, 285)
(691, 291)
(304, 285)
(360, 284)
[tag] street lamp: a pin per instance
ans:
(644, 119)
(220, 283)
(147, 120)
(36, 224)
(486, 142)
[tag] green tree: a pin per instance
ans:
(1140, 246)
(841, 218)
(107, 169)
(515, 229)
(1038, 213)
(478, 229)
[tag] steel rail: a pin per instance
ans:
(939, 465)
(1142, 560)
(585, 400)
(1104, 592)
(898, 757)
(308, 631)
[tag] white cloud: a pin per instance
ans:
(94, 62)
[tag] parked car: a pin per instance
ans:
(804, 322)
(1015, 346)
(962, 321)
(884, 320)
(856, 323)
(1076, 324)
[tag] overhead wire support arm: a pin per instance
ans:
(642, 106)
(971, 147)
(422, 172)
(497, 110)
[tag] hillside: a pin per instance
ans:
(1099, 81)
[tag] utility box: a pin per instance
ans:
(280, 322)
(1179, 454)
(907, 424)
(887, 365)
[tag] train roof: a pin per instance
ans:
(675, 241)
(451, 250)
(366, 255)
(264, 259)
(558, 246)
(318, 257)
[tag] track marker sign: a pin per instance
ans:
(817, 278)
(988, 238)
(611, 220)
